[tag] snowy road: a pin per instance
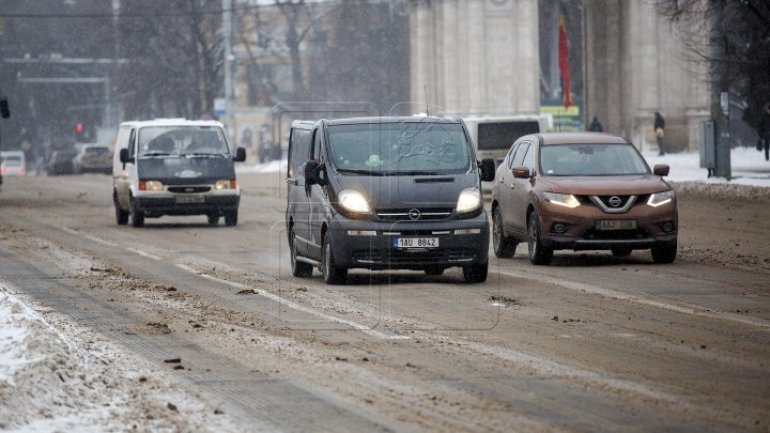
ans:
(179, 326)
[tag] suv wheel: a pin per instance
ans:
(331, 273)
(665, 253)
(504, 246)
(476, 273)
(298, 269)
(538, 254)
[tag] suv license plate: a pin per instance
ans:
(415, 243)
(616, 225)
(190, 199)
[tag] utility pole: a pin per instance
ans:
(719, 84)
(227, 30)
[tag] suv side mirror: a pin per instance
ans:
(660, 170)
(124, 156)
(313, 170)
(240, 155)
(487, 169)
(521, 172)
(5, 112)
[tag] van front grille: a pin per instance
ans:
(189, 189)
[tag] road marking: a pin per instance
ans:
(596, 290)
(295, 306)
(143, 253)
(93, 238)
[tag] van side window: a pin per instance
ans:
(299, 151)
(132, 144)
(317, 145)
(518, 159)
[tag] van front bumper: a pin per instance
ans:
(372, 245)
(155, 206)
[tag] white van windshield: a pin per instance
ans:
(399, 148)
(182, 140)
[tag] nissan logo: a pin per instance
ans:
(414, 214)
(615, 201)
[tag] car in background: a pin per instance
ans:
(60, 162)
(581, 191)
(92, 158)
(13, 163)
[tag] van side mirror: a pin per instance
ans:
(660, 169)
(313, 170)
(124, 156)
(521, 172)
(5, 112)
(240, 155)
(487, 169)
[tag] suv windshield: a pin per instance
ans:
(399, 148)
(182, 140)
(591, 160)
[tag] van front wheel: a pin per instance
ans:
(476, 273)
(298, 269)
(331, 273)
(231, 218)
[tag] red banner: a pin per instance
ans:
(564, 63)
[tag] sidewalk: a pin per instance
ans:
(748, 167)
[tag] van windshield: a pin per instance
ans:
(399, 148)
(182, 140)
(591, 160)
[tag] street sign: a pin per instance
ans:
(220, 107)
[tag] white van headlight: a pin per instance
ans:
(469, 200)
(353, 201)
(660, 198)
(150, 185)
(225, 184)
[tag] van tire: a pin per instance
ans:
(503, 246)
(231, 218)
(476, 273)
(434, 272)
(621, 251)
(121, 216)
(137, 217)
(298, 269)
(213, 219)
(331, 273)
(538, 254)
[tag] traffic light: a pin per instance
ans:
(80, 130)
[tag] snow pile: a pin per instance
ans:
(747, 165)
(71, 381)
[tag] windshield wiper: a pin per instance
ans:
(156, 154)
(206, 154)
(415, 173)
(364, 172)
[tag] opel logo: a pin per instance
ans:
(615, 201)
(414, 214)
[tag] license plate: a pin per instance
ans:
(190, 199)
(415, 243)
(616, 225)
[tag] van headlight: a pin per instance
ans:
(469, 200)
(150, 185)
(225, 184)
(353, 201)
(566, 200)
(660, 198)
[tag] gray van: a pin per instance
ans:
(386, 193)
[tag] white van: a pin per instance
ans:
(13, 163)
(174, 167)
(494, 135)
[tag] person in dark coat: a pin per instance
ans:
(595, 125)
(659, 126)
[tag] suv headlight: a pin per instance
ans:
(566, 200)
(353, 201)
(469, 200)
(660, 198)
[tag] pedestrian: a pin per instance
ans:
(595, 125)
(763, 142)
(660, 130)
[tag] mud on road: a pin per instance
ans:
(592, 343)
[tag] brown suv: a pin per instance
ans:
(581, 191)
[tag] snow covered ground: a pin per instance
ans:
(58, 377)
